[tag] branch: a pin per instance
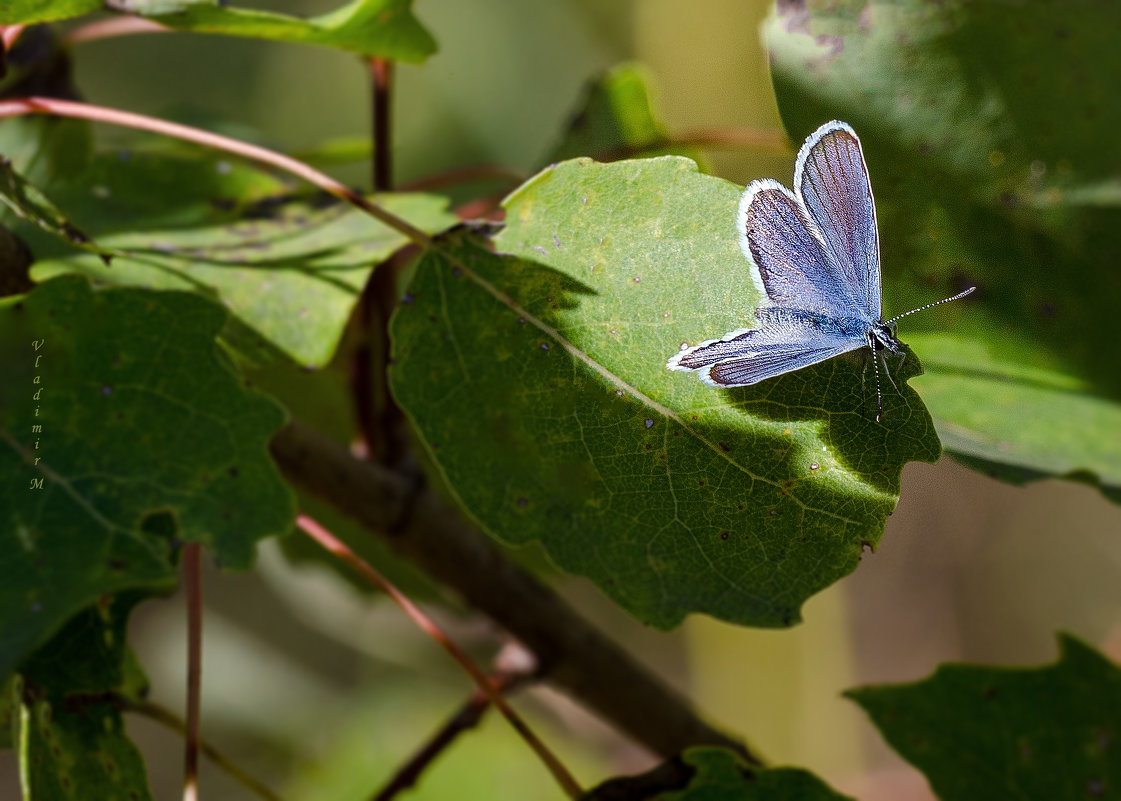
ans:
(572, 654)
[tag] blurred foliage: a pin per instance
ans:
(71, 693)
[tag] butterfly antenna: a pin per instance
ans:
(958, 296)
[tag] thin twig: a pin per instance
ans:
(111, 27)
(336, 547)
(9, 34)
(128, 119)
(466, 718)
(192, 577)
(154, 711)
(573, 655)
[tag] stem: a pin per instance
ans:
(381, 74)
(114, 26)
(572, 654)
(380, 421)
(9, 34)
(193, 579)
(87, 111)
(336, 547)
(154, 711)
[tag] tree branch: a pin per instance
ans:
(572, 654)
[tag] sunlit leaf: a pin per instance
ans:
(993, 162)
(123, 432)
(382, 28)
(1046, 733)
(289, 269)
(538, 382)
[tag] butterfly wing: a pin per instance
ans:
(750, 355)
(791, 258)
(831, 181)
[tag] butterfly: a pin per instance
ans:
(814, 254)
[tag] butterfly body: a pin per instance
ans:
(814, 254)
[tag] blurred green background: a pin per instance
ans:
(323, 694)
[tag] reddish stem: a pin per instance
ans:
(336, 547)
(113, 26)
(87, 111)
(193, 579)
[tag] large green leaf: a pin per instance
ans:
(538, 382)
(123, 431)
(989, 137)
(716, 774)
(983, 732)
(72, 744)
(384, 28)
(289, 269)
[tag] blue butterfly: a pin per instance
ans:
(815, 257)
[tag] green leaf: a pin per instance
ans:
(1047, 733)
(289, 269)
(381, 28)
(716, 774)
(141, 435)
(538, 383)
(989, 168)
(31, 205)
(616, 119)
(27, 12)
(72, 742)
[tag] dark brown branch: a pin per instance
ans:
(465, 719)
(572, 654)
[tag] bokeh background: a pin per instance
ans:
(323, 690)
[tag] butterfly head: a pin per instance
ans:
(882, 336)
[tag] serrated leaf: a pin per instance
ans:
(716, 774)
(289, 269)
(1048, 733)
(538, 382)
(991, 165)
(382, 28)
(72, 743)
(145, 435)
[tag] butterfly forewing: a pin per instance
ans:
(793, 262)
(832, 180)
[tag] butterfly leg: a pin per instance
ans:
(879, 395)
(888, 372)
